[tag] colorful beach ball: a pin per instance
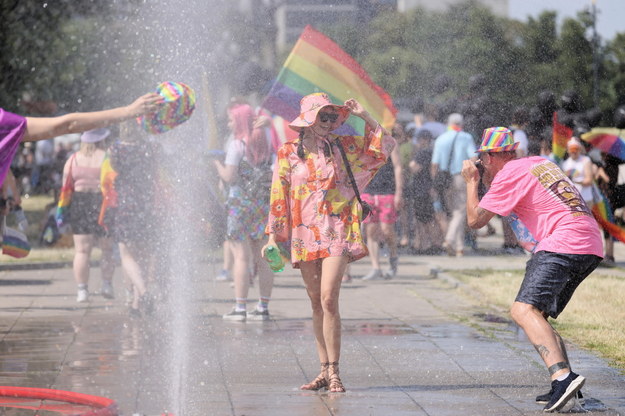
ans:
(178, 107)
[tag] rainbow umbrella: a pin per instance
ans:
(607, 139)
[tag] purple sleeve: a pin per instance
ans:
(12, 128)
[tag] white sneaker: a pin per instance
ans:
(107, 290)
(223, 276)
(374, 274)
(83, 296)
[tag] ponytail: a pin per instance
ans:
(300, 145)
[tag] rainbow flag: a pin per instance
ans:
(602, 212)
(561, 135)
(107, 184)
(317, 64)
(65, 198)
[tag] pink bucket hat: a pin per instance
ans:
(311, 104)
(497, 139)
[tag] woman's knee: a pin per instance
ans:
(330, 303)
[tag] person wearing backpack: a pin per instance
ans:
(450, 150)
(247, 169)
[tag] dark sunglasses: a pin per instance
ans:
(325, 117)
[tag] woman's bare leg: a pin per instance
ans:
(107, 263)
(265, 275)
(323, 283)
(83, 244)
(133, 272)
(240, 270)
(311, 273)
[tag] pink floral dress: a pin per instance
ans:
(313, 204)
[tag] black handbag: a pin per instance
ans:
(366, 208)
(442, 180)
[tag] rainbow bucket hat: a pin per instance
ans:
(177, 108)
(15, 243)
(497, 139)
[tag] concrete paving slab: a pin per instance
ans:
(411, 345)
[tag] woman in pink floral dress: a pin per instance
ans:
(314, 207)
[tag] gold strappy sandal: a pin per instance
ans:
(320, 381)
(335, 385)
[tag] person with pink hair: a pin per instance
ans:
(247, 169)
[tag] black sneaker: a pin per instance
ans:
(544, 398)
(257, 315)
(234, 315)
(563, 391)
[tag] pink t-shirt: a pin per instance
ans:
(549, 205)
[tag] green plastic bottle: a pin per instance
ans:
(273, 257)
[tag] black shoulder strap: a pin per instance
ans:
(349, 170)
(451, 154)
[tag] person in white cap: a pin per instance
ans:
(82, 172)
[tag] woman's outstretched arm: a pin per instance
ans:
(41, 128)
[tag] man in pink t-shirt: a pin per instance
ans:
(568, 244)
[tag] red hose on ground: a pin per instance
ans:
(102, 405)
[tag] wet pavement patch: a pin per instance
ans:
(489, 317)
(376, 328)
(24, 282)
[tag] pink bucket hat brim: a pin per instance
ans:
(311, 104)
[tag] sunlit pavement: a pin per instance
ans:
(413, 345)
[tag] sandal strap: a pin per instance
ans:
(335, 384)
(334, 380)
(318, 383)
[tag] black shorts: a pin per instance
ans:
(84, 211)
(551, 278)
(423, 208)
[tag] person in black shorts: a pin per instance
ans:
(82, 170)
(548, 212)
(428, 234)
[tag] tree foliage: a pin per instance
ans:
(47, 50)
(484, 62)
(86, 54)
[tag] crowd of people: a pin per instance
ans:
(424, 187)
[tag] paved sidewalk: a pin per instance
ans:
(413, 345)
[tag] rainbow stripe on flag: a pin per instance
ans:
(602, 212)
(317, 64)
(560, 137)
(65, 198)
(15, 243)
(107, 184)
